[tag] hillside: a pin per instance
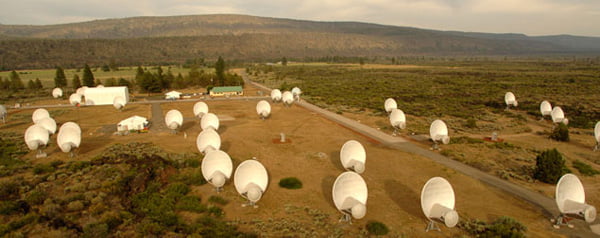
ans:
(174, 39)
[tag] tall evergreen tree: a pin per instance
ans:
(88, 77)
(139, 76)
(220, 71)
(39, 85)
(31, 85)
(124, 82)
(4, 84)
(15, 81)
(76, 82)
(60, 80)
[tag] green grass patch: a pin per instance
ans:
(584, 168)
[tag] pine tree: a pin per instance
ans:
(139, 76)
(76, 82)
(60, 80)
(39, 85)
(15, 81)
(31, 85)
(220, 71)
(124, 82)
(88, 76)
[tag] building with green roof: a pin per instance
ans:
(227, 91)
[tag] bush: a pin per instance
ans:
(377, 228)
(560, 133)
(501, 227)
(95, 230)
(218, 200)
(43, 168)
(190, 203)
(471, 123)
(549, 166)
(584, 168)
(9, 190)
(36, 197)
(290, 183)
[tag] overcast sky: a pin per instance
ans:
(532, 17)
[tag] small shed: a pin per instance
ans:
(227, 91)
(173, 95)
(134, 123)
(105, 95)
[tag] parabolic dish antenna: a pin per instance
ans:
(39, 114)
(68, 139)
(81, 91)
(545, 108)
(397, 119)
(217, 168)
(597, 135)
(119, 102)
(353, 156)
(510, 100)
(209, 120)
(71, 125)
(36, 137)
(558, 116)
(48, 123)
(276, 95)
(287, 98)
(57, 92)
(75, 99)
(208, 140)
(296, 93)
(263, 108)
(174, 119)
(390, 104)
(3, 113)
(350, 195)
(251, 180)
(437, 202)
(570, 199)
(99, 86)
(200, 108)
(439, 132)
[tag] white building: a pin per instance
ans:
(172, 95)
(136, 123)
(105, 95)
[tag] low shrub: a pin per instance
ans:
(377, 228)
(43, 168)
(36, 197)
(584, 168)
(95, 230)
(190, 203)
(501, 227)
(560, 133)
(290, 183)
(218, 200)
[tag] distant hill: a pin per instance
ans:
(177, 38)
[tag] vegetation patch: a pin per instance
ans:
(584, 168)
(377, 228)
(218, 200)
(501, 227)
(549, 166)
(290, 183)
(560, 133)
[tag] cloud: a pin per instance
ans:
(523, 16)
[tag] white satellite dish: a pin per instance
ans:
(439, 132)
(263, 108)
(217, 168)
(81, 90)
(39, 114)
(119, 102)
(287, 98)
(390, 104)
(251, 180)
(68, 139)
(208, 140)
(99, 86)
(36, 137)
(174, 119)
(75, 99)
(545, 108)
(209, 120)
(57, 92)
(48, 123)
(558, 116)
(437, 202)
(3, 113)
(397, 119)
(296, 93)
(353, 156)
(510, 100)
(570, 199)
(200, 108)
(276, 95)
(597, 135)
(70, 125)
(350, 195)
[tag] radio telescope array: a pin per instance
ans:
(437, 202)
(287, 98)
(57, 92)
(353, 156)
(200, 108)
(597, 135)
(296, 93)
(545, 108)
(209, 120)
(397, 119)
(439, 132)
(390, 104)
(36, 138)
(251, 180)
(275, 95)
(558, 116)
(217, 168)
(208, 140)
(263, 108)
(350, 195)
(570, 199)
(3, 113)
(119, 102)
(510, 100)
(39, 114)
(174, 120)
(69, 138)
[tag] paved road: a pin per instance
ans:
(546, 204)
(158, 120)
